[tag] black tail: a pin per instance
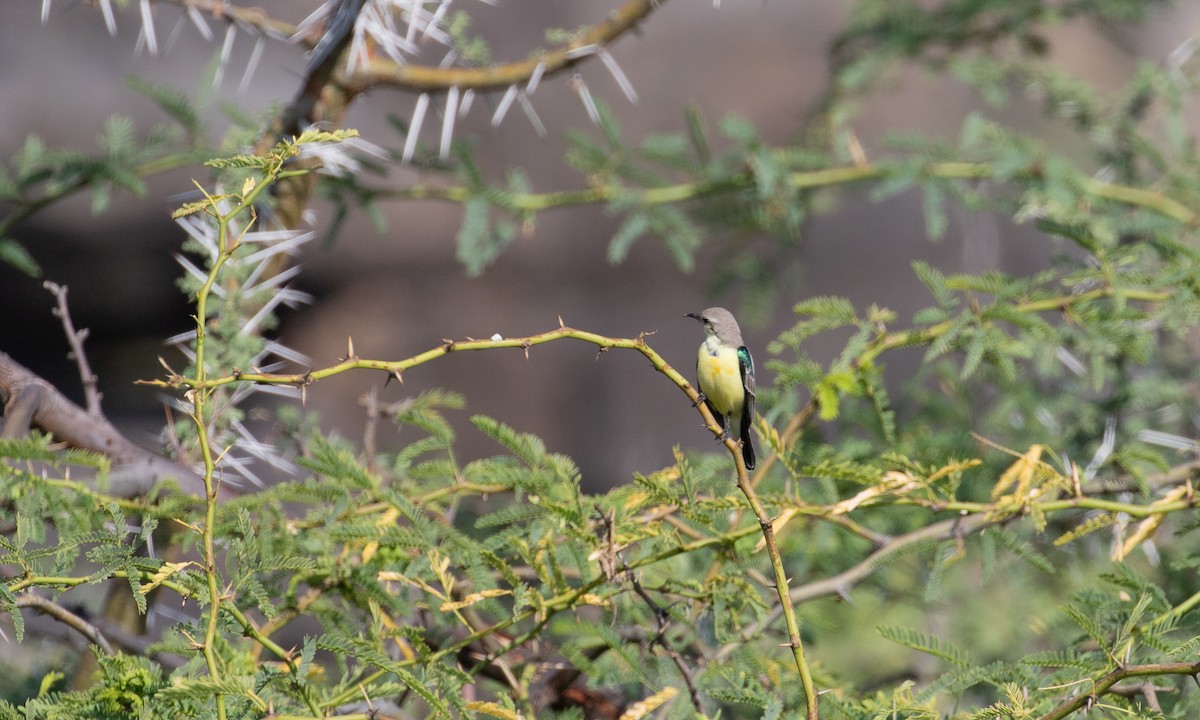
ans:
(747, 449)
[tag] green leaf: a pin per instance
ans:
(529, 448)
(118, 136)
(927, 644)
(1023, 550)
(634, 226)
(16, 255)
(669, 149)
(511, 515)
(679, 234)
(698, 134)
(8, 601)
(837, 310)
(740, 130)
(333, 460)
(480, 241)
(170, 100)
(829, 391)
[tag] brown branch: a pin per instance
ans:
(75, 338)
(370, 401)
(424, 78)
(66, 617)
(253, 17)
(1146, 689)
(1105, 684)
(29, 401)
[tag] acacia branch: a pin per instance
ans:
(974, 517)
(382, 71)
(396, 368)
(254, 17)
(1105, 684)
(425, 78)
(800, 180)
(66, 617)
(30, 401)
(786, 604)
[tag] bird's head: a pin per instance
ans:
(719, 322)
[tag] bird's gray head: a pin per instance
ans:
(719, 322)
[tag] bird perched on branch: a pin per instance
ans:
(725, 372)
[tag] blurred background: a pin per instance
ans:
(401, 291)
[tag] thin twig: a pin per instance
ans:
(45, 627)
(370, 401)
(75, 339)
(1146, 689)
(661, 616)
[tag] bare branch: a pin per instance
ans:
(30, 401)
(841, 583)
(75, 338)
(65, 616)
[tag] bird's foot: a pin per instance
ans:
(700, 398)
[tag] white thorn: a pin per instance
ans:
(448, 117)
(532, 115)
(505, 103)
(410, 143)
(619, 75)
(535, 78)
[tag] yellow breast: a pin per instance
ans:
(721, 379)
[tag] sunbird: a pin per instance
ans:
(725, 372)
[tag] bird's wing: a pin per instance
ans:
(746, 366)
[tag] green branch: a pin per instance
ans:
(781, 586)
(199, 395)
(397, 367)
(801, 180)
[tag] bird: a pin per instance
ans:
(725, 371)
